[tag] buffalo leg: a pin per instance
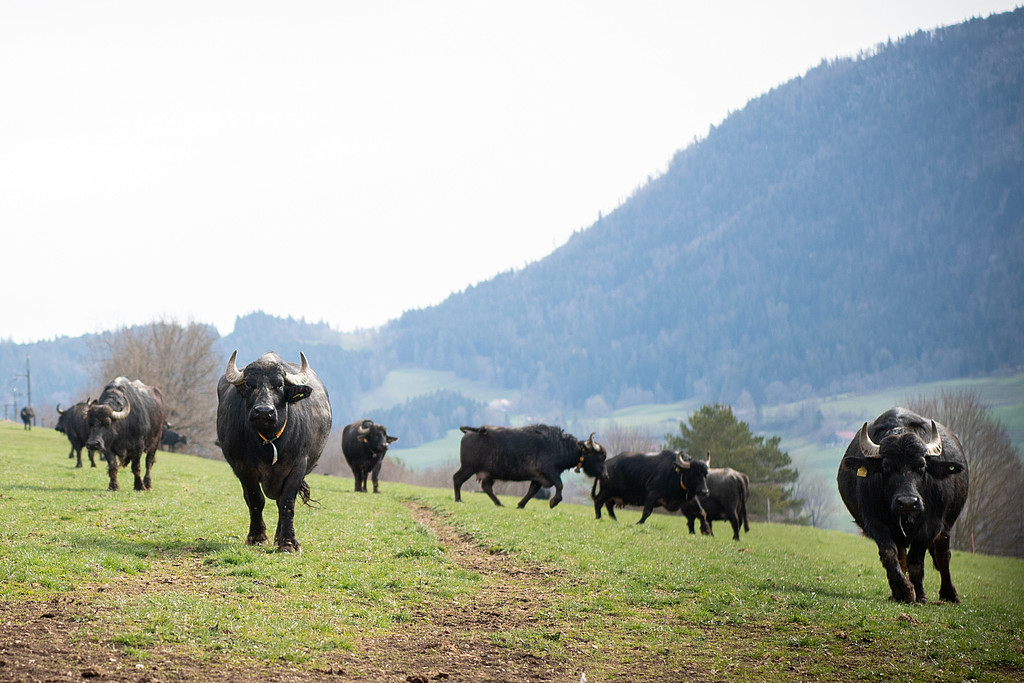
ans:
(140, 485)
(360, 476)
(902, 589)
(255, 501)
(610, 505)
(284, 537)
(735, 521)
(92, 458)
(113, 463)
(940, 558)
(147, 482)
(530, 493)
(557, 498)
(488, 486)
(376, 477)
(649, 504)
(458, 479)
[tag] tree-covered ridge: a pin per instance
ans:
(866, 218)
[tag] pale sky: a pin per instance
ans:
(348, 161)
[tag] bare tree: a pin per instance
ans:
(177, 359)
(993, 518)
(819, 496)
(621, 438)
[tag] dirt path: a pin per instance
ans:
(455, 642)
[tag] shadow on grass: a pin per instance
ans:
(155, 548)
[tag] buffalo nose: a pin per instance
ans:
(908, 504)
(263, 412)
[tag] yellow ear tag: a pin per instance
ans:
(862, 472)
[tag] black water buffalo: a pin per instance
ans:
(364, 445)
(904, 479)
(669, 479)
(727, 495)
(536, 453)
(72, 422)
(273, 421)
(172, 439)
(28, 416)
(124, 423)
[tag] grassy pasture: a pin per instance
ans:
(168, 569)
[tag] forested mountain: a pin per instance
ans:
(866, 218)
(857, 227)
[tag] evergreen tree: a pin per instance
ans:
(714, 429)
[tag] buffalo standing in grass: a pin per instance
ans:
(904, 479)
(537, 454)
(125, 422)
(273, 420)
(172, 439)
(72, 422)
(364, 445)
(669, 479)
(727, 495)
(28, 416)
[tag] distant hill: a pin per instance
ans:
(856, 228)
(866, 219)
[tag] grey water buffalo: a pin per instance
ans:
(668, 479)
(28, 416)
(125, 422)
(273, 421)
(904, 478)
(74, 425)
(364, 445)
(536, 453)
(726, 498)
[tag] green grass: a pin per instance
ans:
(785, 603)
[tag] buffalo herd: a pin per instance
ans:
(903, 478)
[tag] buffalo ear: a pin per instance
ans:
(297, 392)
(392, 439)
(943, 468)
(861, 465)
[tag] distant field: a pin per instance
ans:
(408, 585)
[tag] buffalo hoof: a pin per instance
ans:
(256, 540)
(289, 546)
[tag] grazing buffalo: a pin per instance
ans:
(124, 423)
(727, 495)
(172, 439)
(72, 422)
(669, 479)
(28, 416)
(273, 420)
(904, 479)
(364, 445)
(537, 454)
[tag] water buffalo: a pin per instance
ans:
(172, 439)
(72, 422)
(904, 479)
(364, 445)
(124, 423)
(669, 479)
(28, 416)
(536, 453)
(727, 495)
(273, 421)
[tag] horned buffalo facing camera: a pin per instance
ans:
(72, 422)
(904, 479)
(125, 422)
(364, 445)
(273, 420)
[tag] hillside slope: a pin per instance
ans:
(866, 218)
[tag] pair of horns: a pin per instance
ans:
(684, 464)
(237, 377)
(115, 414)
(869, 449)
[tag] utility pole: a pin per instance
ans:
(28, 377)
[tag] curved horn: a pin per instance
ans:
(590, 442)
(364, 428)
(302, 377)
(233, 374)
(59, 411)
(868, 448)
(934, 447)
(708, 461)
(681, 462)
(122, 414)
